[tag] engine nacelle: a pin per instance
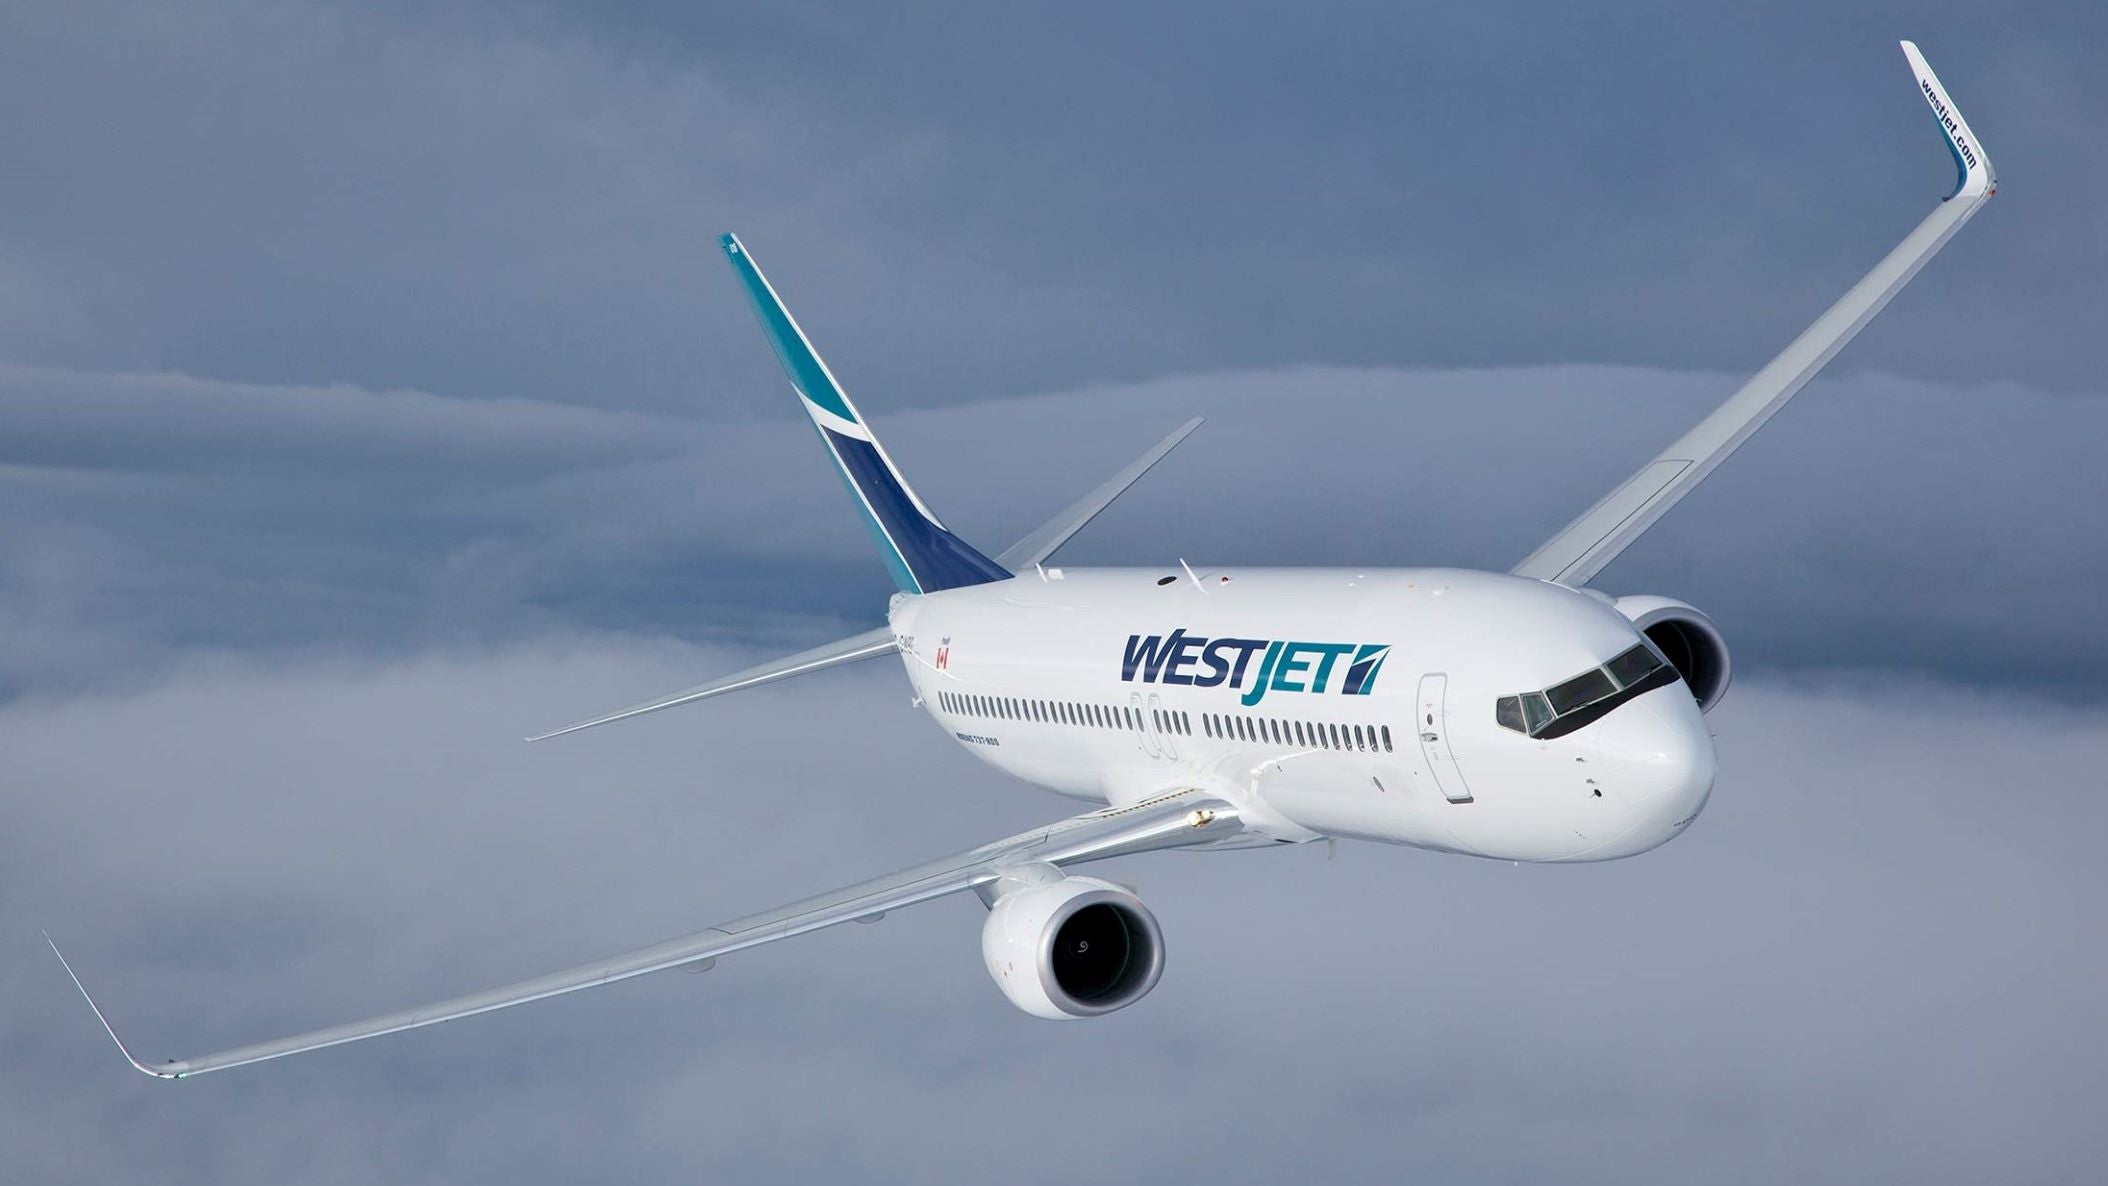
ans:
(1072, 947)
(1687, 639)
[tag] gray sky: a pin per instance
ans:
(371, 394)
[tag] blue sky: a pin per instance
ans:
(371, 394)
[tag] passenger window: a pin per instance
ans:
(1386, 739)
(1334, 731)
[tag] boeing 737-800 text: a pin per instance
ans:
(1522, 716)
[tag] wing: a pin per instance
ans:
(1056, 531)
(1175, 820)
(868, 645)
(1578, 553)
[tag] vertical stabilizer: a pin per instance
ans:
(923, 555)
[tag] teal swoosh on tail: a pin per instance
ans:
(921, 553)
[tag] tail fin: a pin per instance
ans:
(922, 553)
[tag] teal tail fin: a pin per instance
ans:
(923, 555)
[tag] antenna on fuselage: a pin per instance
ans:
(1191, 575)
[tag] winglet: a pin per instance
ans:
(172, 1069)
(1972, 166)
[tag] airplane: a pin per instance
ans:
(1520, 716)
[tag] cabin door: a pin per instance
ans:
(1433, 728)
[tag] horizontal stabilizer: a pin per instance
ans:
(868, 645)
(1056, 531)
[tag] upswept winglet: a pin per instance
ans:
(173, 1069)
(922, 554)
(1973, 171)
(1586, 545)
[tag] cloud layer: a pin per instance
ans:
(1870, 961)
(1881, 522)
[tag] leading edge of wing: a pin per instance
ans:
(1593, 540)
(868, 645)
(1176, 820)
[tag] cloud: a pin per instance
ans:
(1866, 961)
(1881, 522)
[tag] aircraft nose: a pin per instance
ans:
(1657, 758)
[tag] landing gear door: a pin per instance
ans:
(1433, 727)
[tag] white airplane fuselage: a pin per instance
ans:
(1114, 685)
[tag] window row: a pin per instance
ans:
(1053, 712)
(1308, 734)
(1220, 726)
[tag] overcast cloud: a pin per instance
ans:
(371, 394)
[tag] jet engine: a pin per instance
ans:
(1072, 947)
(1687, 639)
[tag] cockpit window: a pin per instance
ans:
(1632, 666)
(1581, 691)
(1570, 704)
(1507, 712)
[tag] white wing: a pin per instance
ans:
(1176, 820)
(1578, 553)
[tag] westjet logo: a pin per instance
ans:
(1947, 121)
(1283, 666)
